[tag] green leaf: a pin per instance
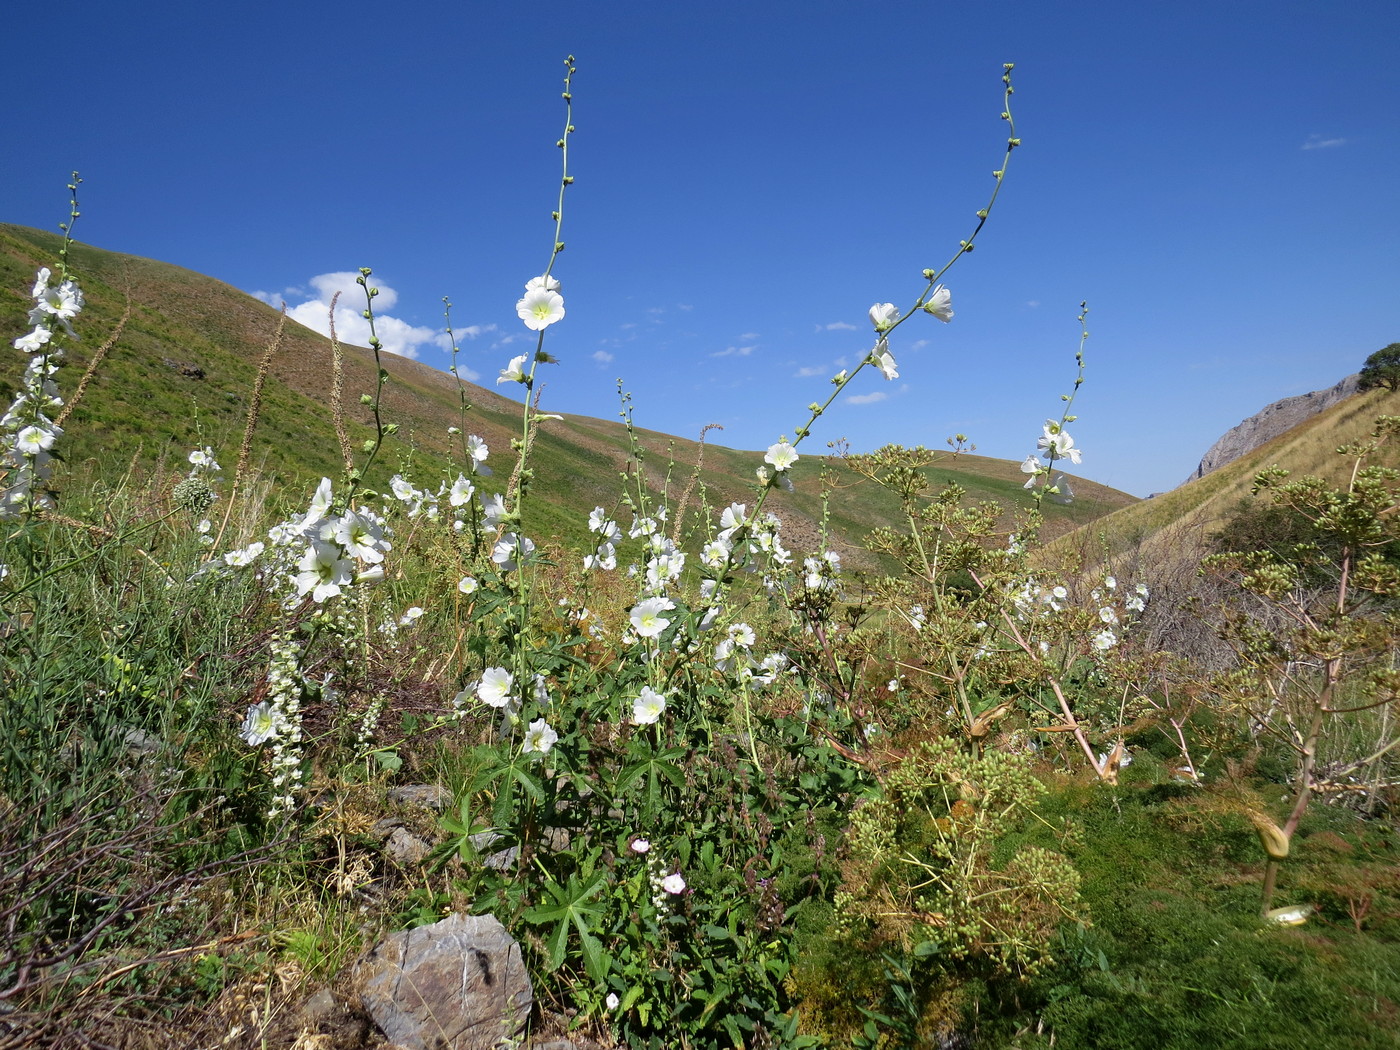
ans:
(389, 760)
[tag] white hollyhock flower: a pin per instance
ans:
(882, 359)
(648, 706)
(883, 316)
(494, 687)
(32, 440)
(646, 616)
(323, 571)
(243, 556)
(511, 550)
(539, 737)
(461, 492)
(782, 455)
(476, 456)
(940, 304)
(361, 537)
(515, 371)
(543, 282)
(259, 725)
(539, 308)
(34, 341)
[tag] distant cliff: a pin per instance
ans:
(1269, 423)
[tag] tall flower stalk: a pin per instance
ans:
(28, 430)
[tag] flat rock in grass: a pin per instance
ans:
(459, 983)
(424, 796)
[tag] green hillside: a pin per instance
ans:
(1173, 523)
(182, 373)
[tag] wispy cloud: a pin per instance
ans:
(867, 399)
(748, 337)
(1320, 142)
(397, 336)
(814, 370)
(734, 351)
(836, 326)
(602, 356)
(918, 344)
(1032, 303)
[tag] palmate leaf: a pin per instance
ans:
(654, 764)
(571, 909)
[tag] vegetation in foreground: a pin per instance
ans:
(725, 793)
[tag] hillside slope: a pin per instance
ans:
(1158, 530)
(183, 370)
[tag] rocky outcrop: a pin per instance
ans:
(1278, 418)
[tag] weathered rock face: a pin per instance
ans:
(1278, 418)
(459, 984)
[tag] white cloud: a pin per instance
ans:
(471, 375)
(748, 337)
(474, 331)
(837, 326)
(814, 370)
(685, 306)
(1032, 303)
(918, 344)
(1318, 142)
(396, 336)
(867, 399)
(735, 351)
(602, 356)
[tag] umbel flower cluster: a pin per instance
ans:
(27, 430)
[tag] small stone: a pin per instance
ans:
(406, 848)
(424, 796)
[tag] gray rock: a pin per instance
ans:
(319, 1007)
(1267, 424)
(459, 983)
(424, 796)
(405, 847)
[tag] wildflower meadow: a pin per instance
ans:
(726, 787)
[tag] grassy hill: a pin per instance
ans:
(182, 372)
(1170, 529)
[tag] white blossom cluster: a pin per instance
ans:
(277, 721)
(1054, 445)
(1115, 608)
(27, 430)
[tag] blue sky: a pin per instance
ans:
(1216, 179)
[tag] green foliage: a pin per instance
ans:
(928, 871)
(1382, 369)
(740, 796)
